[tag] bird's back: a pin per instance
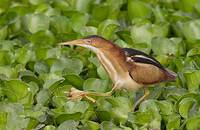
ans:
(145, 69)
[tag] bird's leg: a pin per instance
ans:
(146, 94)
(75, 94)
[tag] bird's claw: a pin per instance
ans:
(75, 94)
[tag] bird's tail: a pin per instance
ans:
(171, 76)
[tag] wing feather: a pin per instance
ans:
(145, 69)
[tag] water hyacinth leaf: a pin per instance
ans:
(7, 71)
(78, 21)
(14, 121)
(5, 57)
(193, 123)
(3, 120)
(106, 125)
(23, 55)
(173, 122)
(74, 107)
(49, 127)
(61, 5)
(187, 5)
(37, 22)
(166, 107)
(74, 80)
(99, 12)
(107, 28)
(60, 24)
(138, 9)
(143, 33)
(43, 96)
(164, 46)
(193, 52)
(102, 73)
(41, 54)
(73, 66)
(41, 67)
(47, 37)
(184, 107)
(89, 30)
(140, 118)
(64, 117)
(3, 32)
(68, 125)
(190, 30)
(94, 84)
(29, 76)
(118, 111)
(15, 90)
(192, 79)
(83, 6)
(92, 125)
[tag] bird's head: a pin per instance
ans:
(92, 42)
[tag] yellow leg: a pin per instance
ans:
(76, 94)
(146, 94)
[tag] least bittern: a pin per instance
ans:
(127, 68)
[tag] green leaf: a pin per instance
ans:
(23, 55)
(193, 123)
(121, 106)
(37, 22)
(184, 107)
(193, 52)
(93, 84)
(165, 46)
(60, 24)
(5, 57)
(15, 120)
(102, 73)
(192, 78)
(109, 126)
(99, 12)
(15, 90)
(92, 125)
(138, 9)
(190, 29)
(43, 96)
(3, 32)
(107, 28)
(73, 66)
(49, 127)
(46, 36)
(68, 125)
(41, 67)
(74, 107)
(3, 120)
(145, 32)
(166, 107)
(187, 5)
(75, 81)
(173, 122)
(78, 21)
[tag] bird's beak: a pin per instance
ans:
(74, 42)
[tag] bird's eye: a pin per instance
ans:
(89, 41)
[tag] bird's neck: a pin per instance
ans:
(113, 60)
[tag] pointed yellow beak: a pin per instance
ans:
(74, 42)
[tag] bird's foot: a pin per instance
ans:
(75, 94)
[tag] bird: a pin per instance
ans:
(128, 68)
